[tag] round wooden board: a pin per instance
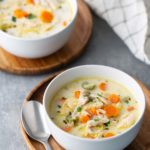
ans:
(68, 53)
(142, 141)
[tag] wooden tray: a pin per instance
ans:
(68, 53)
(142, 142)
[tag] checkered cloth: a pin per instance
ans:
(130, 20)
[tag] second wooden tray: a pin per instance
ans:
(69, 52)
(142, 141)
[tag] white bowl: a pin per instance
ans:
(39, 46)
(71, 142)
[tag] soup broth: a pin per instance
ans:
(26, 18)
(94, 108)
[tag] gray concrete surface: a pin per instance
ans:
(104, 48)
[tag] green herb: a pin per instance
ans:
(4, 30)
(88, 86)
(58, 106)
(5, 27)
(65, 121)
(31, 16)
(107, 123)
(96, 119)
(75, 121)
(1, 0)
(99, 95)
(69, 118)
(13, 19)
(106, 128)
(79, 109)
(126, 99)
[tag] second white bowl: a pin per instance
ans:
(71, 142)
(38, 47)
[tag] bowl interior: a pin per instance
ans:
(95, 71)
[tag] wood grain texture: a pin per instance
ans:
(68, 53)
(142, 141)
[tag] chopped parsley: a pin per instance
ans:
(79, 109)
(58, 106)
(127, 99)
(65, 121)
(31, 16)
(98, 94)
(107, 123)
(96, 119)
(13, 19)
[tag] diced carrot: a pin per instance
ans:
(102, 86)
(108, 134)
(18, 13)
(111, 111)
(30, 1)
(46, 16)
(114, 98)
(77, 94)
(92, 111)
(64, 23)
(67, 129)
(90, 136)
(130, 108)
(84, 119)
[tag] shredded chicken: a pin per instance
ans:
(104, 100)
(84, 98)
(101, 111)
(100, 119)
(127, 121)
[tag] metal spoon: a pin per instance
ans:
(34, 122)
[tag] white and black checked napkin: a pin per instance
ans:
(130, 19)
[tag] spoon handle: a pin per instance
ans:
(47, 146)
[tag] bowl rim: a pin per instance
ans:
(75, 8)
(87, 139)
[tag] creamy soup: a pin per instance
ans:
(94, 108)
(28, 18)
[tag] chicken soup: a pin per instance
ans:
(94, 108)
(32, 18)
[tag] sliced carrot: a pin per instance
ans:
(67, 129)
(114, 98)
(84, 119)
(46, 16)
(90, 136)
(111, 111)
(30, 1)
(92, 111)
(130, 108)
(108, 134)
(77, 94)
(64, 23)
(18, 13)
(102, 86)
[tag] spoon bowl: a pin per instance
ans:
(34, 122)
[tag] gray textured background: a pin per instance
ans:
(104, 48)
